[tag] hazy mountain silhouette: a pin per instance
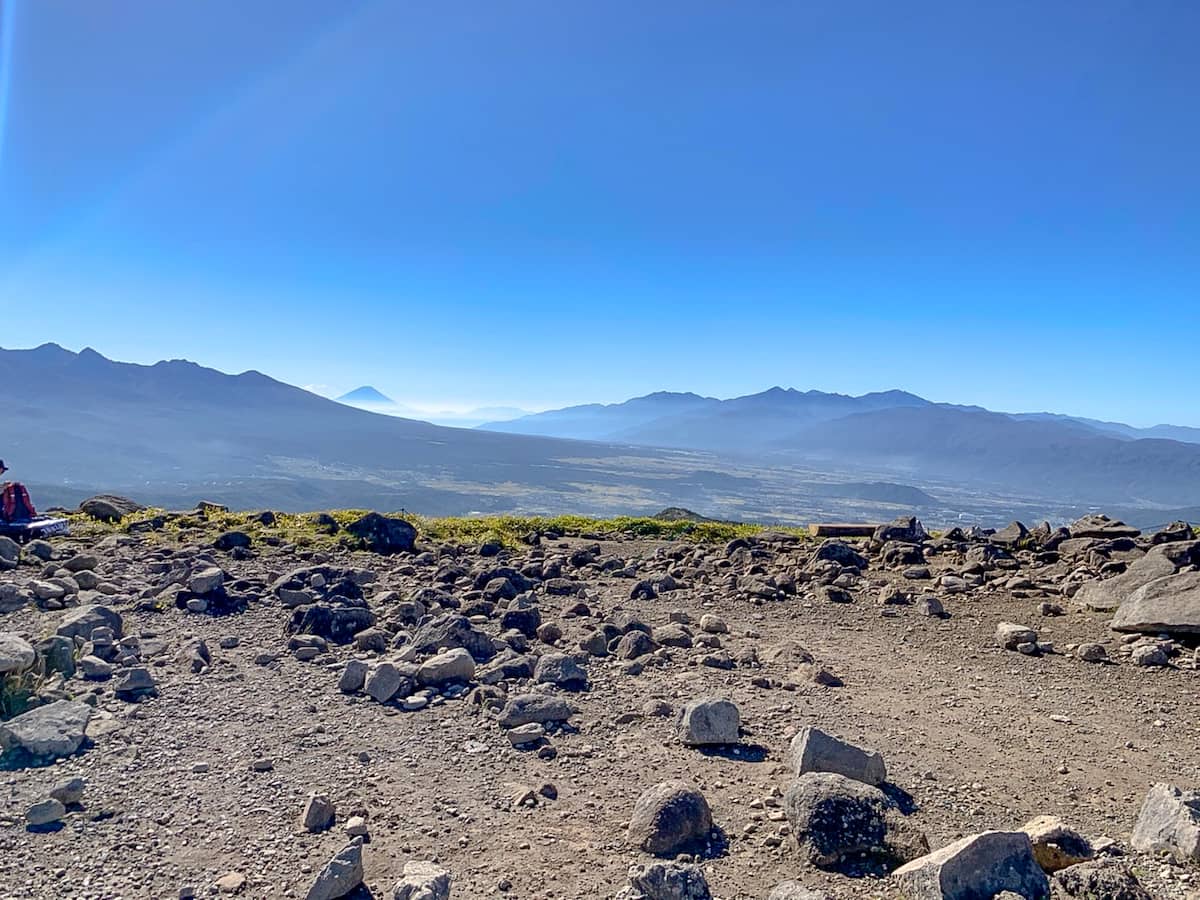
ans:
(175, 429)
(1040, 454)
(366, 396)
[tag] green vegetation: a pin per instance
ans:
(16, 690)
(307, 530)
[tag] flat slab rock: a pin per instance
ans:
(46, 733)
(978, 866)
(1109, 594)
(1170, 605)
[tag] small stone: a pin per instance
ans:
(262, 765)
(319, 813)
(69, 791)
(231, 883)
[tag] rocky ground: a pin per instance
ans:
(497, 712)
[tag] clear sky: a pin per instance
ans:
(538, 202)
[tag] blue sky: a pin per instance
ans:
(542, 203)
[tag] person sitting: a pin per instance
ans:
(15, 505)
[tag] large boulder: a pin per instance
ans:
(1159, 562)
(709, 721)
(109, 507)
(978, 866)
(44, 734)
(384, 534)
(812, 750)
(81, 622)
(835, 818)
(669, 818)
(1169, 822)
(1170, 605)
(16, 653)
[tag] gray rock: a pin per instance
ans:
(1148, 655)
(42, 550)
(1055, 845)
(812, 750)
(561, 670)
(450, 630)
(10, 550)
(58, 655)
(794, 890)
(709, 721)
(669, 818)
(109, 507)
(835, 818)
(383, 534)
(12, 598)
(340, 876)
(422, 881)
(1108, 595)
(16, 653)
(83, 621)
(540, 708)
(524, 735)
(46, 733)
(980, 865)
(1168, 605)
(666, 881)
(44, 812)
(93, 668)
(1169, 822)
(1102, 879)
(448, 666)
(1091, 652)
(353, 677)
(206, 580)
(1011, 637)
(384, 682)
(69, 791)
(319, 814)
(134, 684)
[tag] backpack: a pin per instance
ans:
(15, 504)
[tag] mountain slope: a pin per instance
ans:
(1039, 457)
(596, 421)
(176, 428)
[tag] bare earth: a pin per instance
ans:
(980, 737)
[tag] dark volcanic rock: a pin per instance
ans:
(383, 534)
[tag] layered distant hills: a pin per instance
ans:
(175, 431)
(1042, 454)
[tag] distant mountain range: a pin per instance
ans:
(373, 400)
(1041, 454)
(176, 432)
